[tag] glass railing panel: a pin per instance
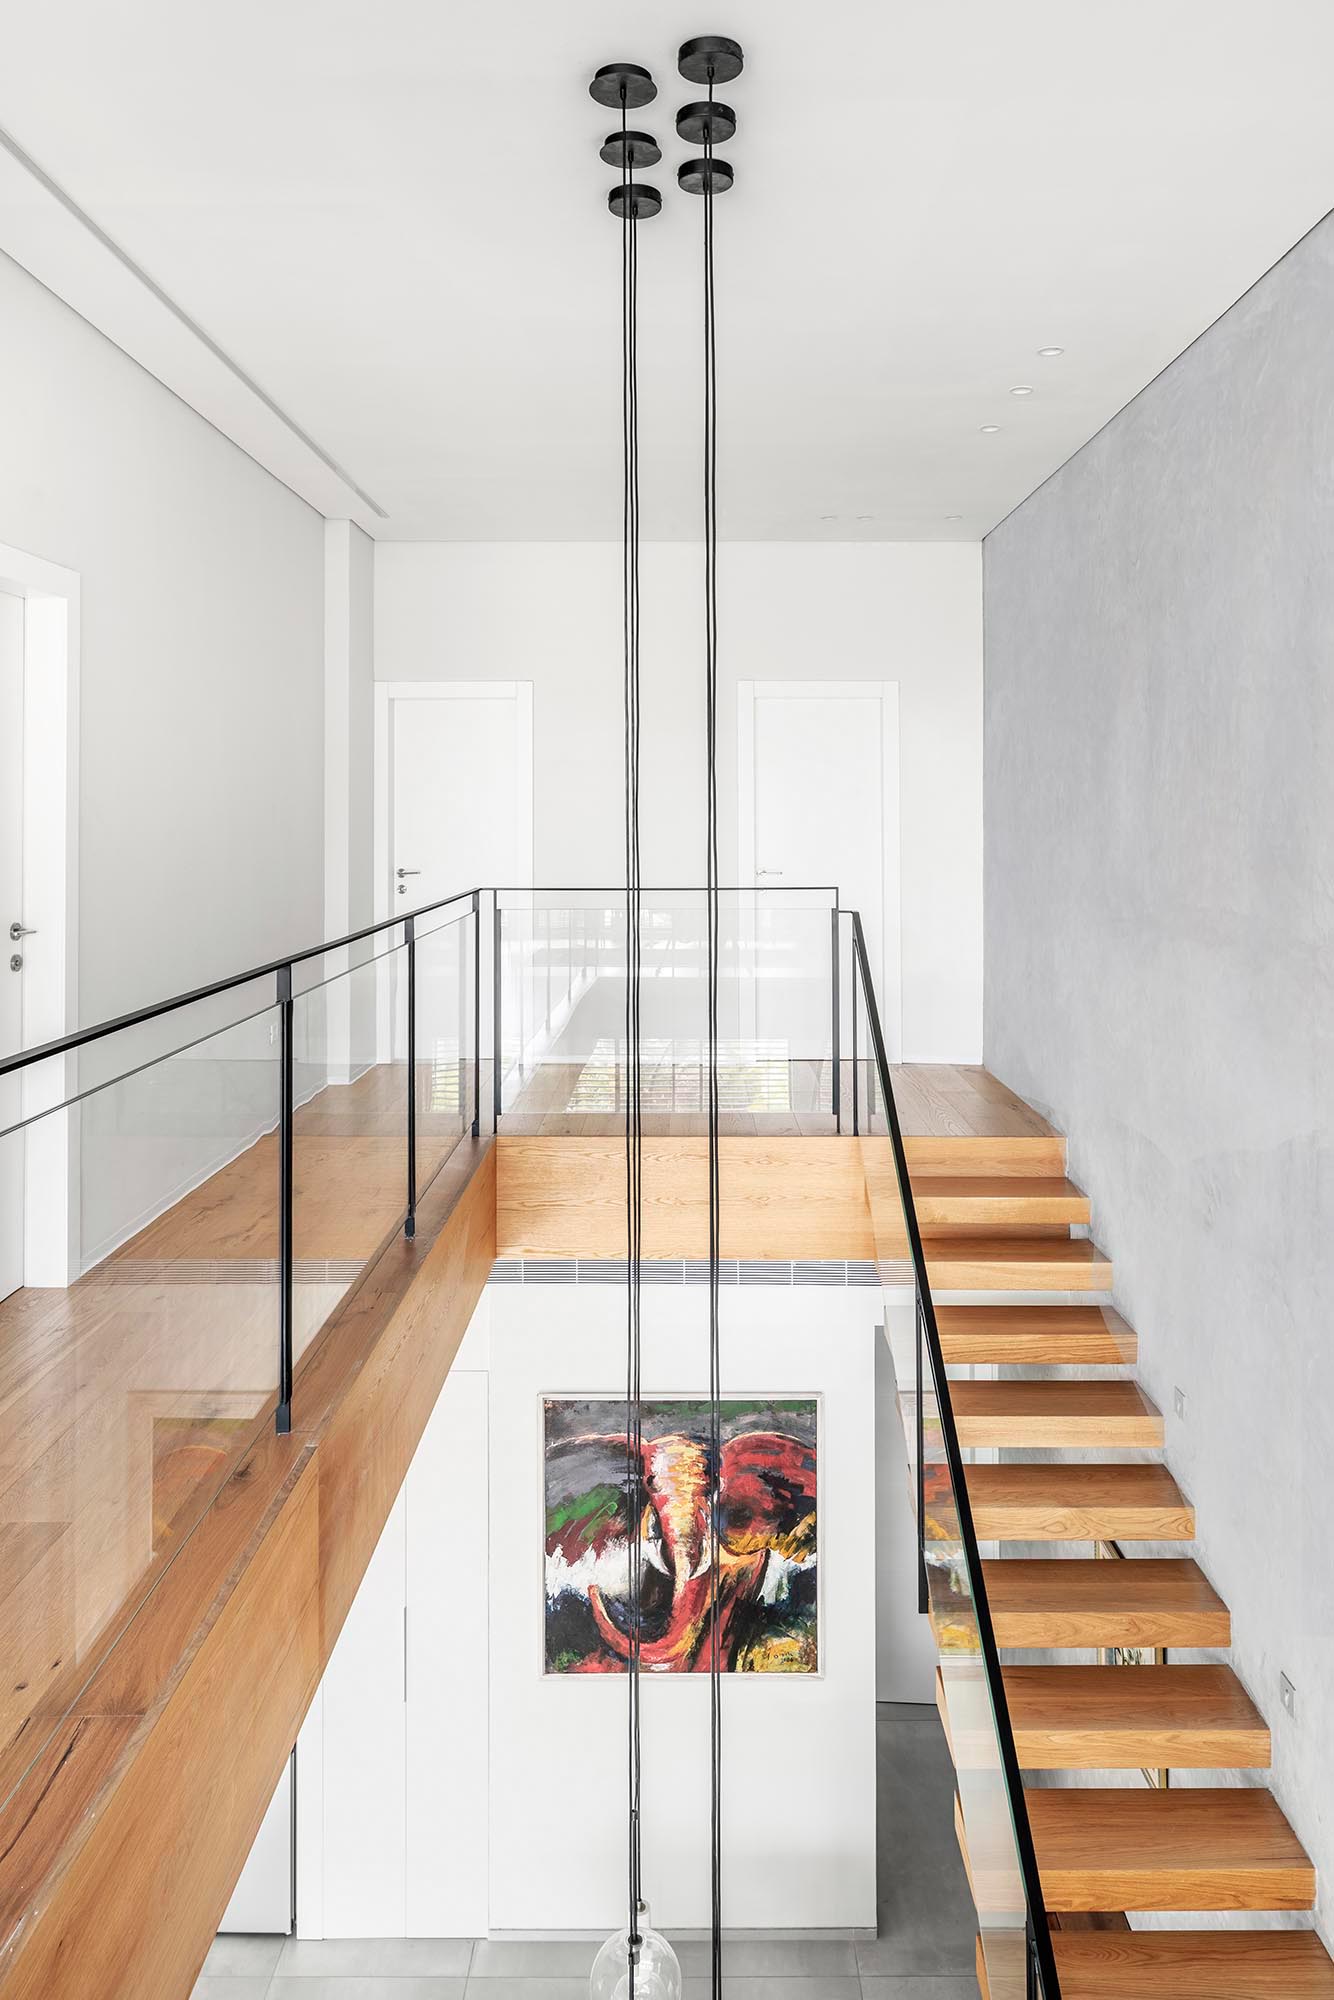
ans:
(446, 1078)
(991, 1815)
(140, 1360)
(349, 1132)
(563, 1028)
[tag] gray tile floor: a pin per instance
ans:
(924, 1950)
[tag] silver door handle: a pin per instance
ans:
(401, 872)
(768, 871)
(17, 931)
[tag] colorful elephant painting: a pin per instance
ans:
(768, 1613)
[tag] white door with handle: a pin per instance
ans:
(818, 806)
(455, 788)
(12, 933)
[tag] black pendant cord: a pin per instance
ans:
(715, 1218)
(633, 1068)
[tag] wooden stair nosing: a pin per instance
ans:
(979, 1262)
(1105, 1718)
(1202, 1848)
(1193, 1965)
(1060, 1415)
(1086, 1603)
(1079, 1503)
(1010, 1157)
(1108, 1718)
(1188, 1848)
(961, 1201)
(1036, 1336)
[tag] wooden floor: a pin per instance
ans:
(127, 1400)
(765, 1098)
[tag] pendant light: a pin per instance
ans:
(636, 1962)
(707, 61)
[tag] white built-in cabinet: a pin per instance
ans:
(391, 1765)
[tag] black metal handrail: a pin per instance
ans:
(285, 995)
(80, 1038)
(1041, 1958)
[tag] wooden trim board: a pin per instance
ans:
(782, 1198)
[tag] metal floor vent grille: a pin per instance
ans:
(691, 1271)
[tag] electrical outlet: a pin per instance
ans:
(1287, 1694)
(1179, 1398)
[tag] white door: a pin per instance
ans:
(460, 789)
(364, 1699)
(11, 912)
(448, 1767)
(818, 792)
(392, 1763)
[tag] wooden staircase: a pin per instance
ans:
(1100, 1850)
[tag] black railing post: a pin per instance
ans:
(856, 1111)
(919, 1342)
(286, 1099)
(834, 1040)
(495, 1012)
(476, 1012)
(410, 940)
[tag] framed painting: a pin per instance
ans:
(767, 1618)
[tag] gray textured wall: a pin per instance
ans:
(1159, 774)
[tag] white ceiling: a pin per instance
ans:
(391, 219)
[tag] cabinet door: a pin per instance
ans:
(447, 1667)
(364, 1752)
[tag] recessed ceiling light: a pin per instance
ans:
(1021, 389)
(954, 517)
(1049, 353)
(829, 517)
(990, 430)
(866, 517)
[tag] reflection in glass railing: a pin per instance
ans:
(561, 974)
(752, 1076)
(209, 1194)
(992, 1818)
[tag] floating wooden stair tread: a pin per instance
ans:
(967, 1157)
(1192, 1848)
(1139, 1602)
(1193, 1965)
(994, 1263)
(1113, 1718)
(1078, 1503)
(982, 1201)
(1107, 1415)
(1036, 1336)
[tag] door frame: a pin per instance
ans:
(887, 693)
(50, 835)
(388, 692)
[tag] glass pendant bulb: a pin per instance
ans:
(657, 1968)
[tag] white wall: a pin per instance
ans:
(550, 613)
(201, 670)
(200, 753)
(349, 830)
(1160, 926)
(485, 1847)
